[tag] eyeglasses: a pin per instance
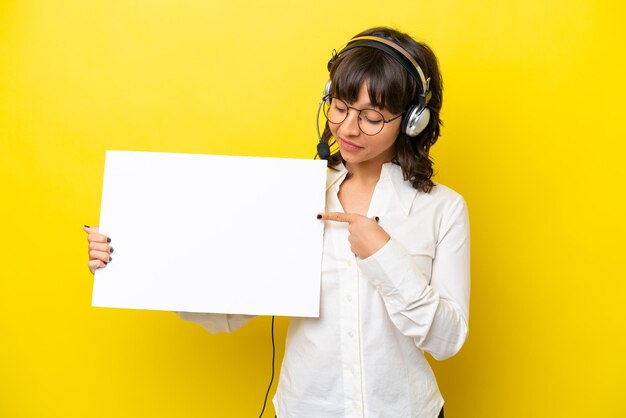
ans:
(370, 121)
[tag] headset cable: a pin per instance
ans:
(272, 379)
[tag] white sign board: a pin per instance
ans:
(207, 233)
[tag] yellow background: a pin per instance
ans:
(534, 139)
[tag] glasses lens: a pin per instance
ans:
(336, 111)
(371, 122)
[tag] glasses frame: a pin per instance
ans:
(358, 117)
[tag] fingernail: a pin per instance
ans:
(110, 259)
(111, 250)
(108, 239)
(319, 216)
(87, 226)
(105, 262)
(377, 218)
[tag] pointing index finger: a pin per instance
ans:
(337, 217)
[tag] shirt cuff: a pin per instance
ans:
(215, 323)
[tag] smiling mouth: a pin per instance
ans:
(349, 146)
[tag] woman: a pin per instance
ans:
(395, 270)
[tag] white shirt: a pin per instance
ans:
(363, 357)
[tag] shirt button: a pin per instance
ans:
(351, 334)
(349, 298)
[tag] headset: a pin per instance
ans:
(417, 115)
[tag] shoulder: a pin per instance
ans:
(442, 201)
(439, 198)
(445, 193)
(450, 206)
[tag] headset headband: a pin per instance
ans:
(397, 52)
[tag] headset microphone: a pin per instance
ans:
(323, 150)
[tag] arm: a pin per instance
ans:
(434, 313)
(215, 323)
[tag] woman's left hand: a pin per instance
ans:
(366, 236)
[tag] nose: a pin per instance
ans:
(350, 126)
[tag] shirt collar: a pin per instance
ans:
(391, 173)
(335, 175)
(404, 191)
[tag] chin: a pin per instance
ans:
(351, 158)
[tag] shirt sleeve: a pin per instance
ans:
(434, 310)
(215, 323)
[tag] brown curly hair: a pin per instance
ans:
(391, 87)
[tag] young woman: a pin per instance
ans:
(395, 270)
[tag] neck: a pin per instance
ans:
(368, 172)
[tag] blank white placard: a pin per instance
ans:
(208, 233)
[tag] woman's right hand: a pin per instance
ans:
(99, 248)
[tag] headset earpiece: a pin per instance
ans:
(328, 90)
(323, 148)
(418, 115)
(415, 120)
